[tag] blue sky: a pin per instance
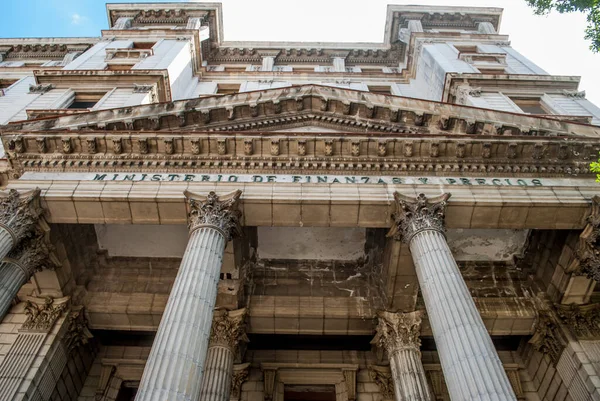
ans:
(553, 42)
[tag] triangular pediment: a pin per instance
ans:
(341, 110)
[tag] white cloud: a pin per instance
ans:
(77, 19)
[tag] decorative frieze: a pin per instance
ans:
(221, 213)
(196, 146)
(40, 88)
(275, 147)
(169, 145)
(328, 147)
(41, 144)
(67, 145)
(117, 145)
(248, 147)
(415, 215)
(222, 146)
(240, 375)
(91, 145)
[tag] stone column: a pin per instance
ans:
(23, 261)
(174, 368)
(19, 214)
(471, 365)
(226, 332)
(398, 334)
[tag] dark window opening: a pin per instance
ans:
(127, 392)
(491, 71)
(85, 100)
(380, 89)
(309, 393)
(228, 89)
(530, 105)
(143, 45)
(119, 67)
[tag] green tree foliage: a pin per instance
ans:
(589, 7)
(595, 167)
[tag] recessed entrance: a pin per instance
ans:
(309, 393)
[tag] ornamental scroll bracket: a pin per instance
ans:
(398, 331)
(219, 212)
(587, 254)
(415, 215)
(240, 375)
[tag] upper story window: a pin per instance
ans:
(227, 89)
(143, 45)
(85, 100)
(380, 89)
(531, 105)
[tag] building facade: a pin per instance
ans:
(186, 218)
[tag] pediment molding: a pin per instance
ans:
(258, 110)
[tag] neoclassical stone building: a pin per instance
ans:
(185, 218)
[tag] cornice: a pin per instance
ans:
(295, 152)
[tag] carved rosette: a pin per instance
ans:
(398, 331)
(19, 213)
(41, 317)
(587, 261)
(413, 216)
(33, 255)
(240, 375)
(221, 213)
(383, 377)
(228, 329)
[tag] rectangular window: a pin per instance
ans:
(309, 393)
(86, 100)
(227, 89)
(381, 89)
(492, 71)
(530, 105)
(143, 45)
(119, 67)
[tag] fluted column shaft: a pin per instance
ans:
(471, 365)
(7, 241)
(12, 278)
(408, 375)
(399, 335)
(216, 383)
(226, 332)
(469, 360)
(175, 365)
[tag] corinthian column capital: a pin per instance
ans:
(33, 254)
(398, 331)
(414, 215)
(218, 212)
(228, 329)
(19, 212)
